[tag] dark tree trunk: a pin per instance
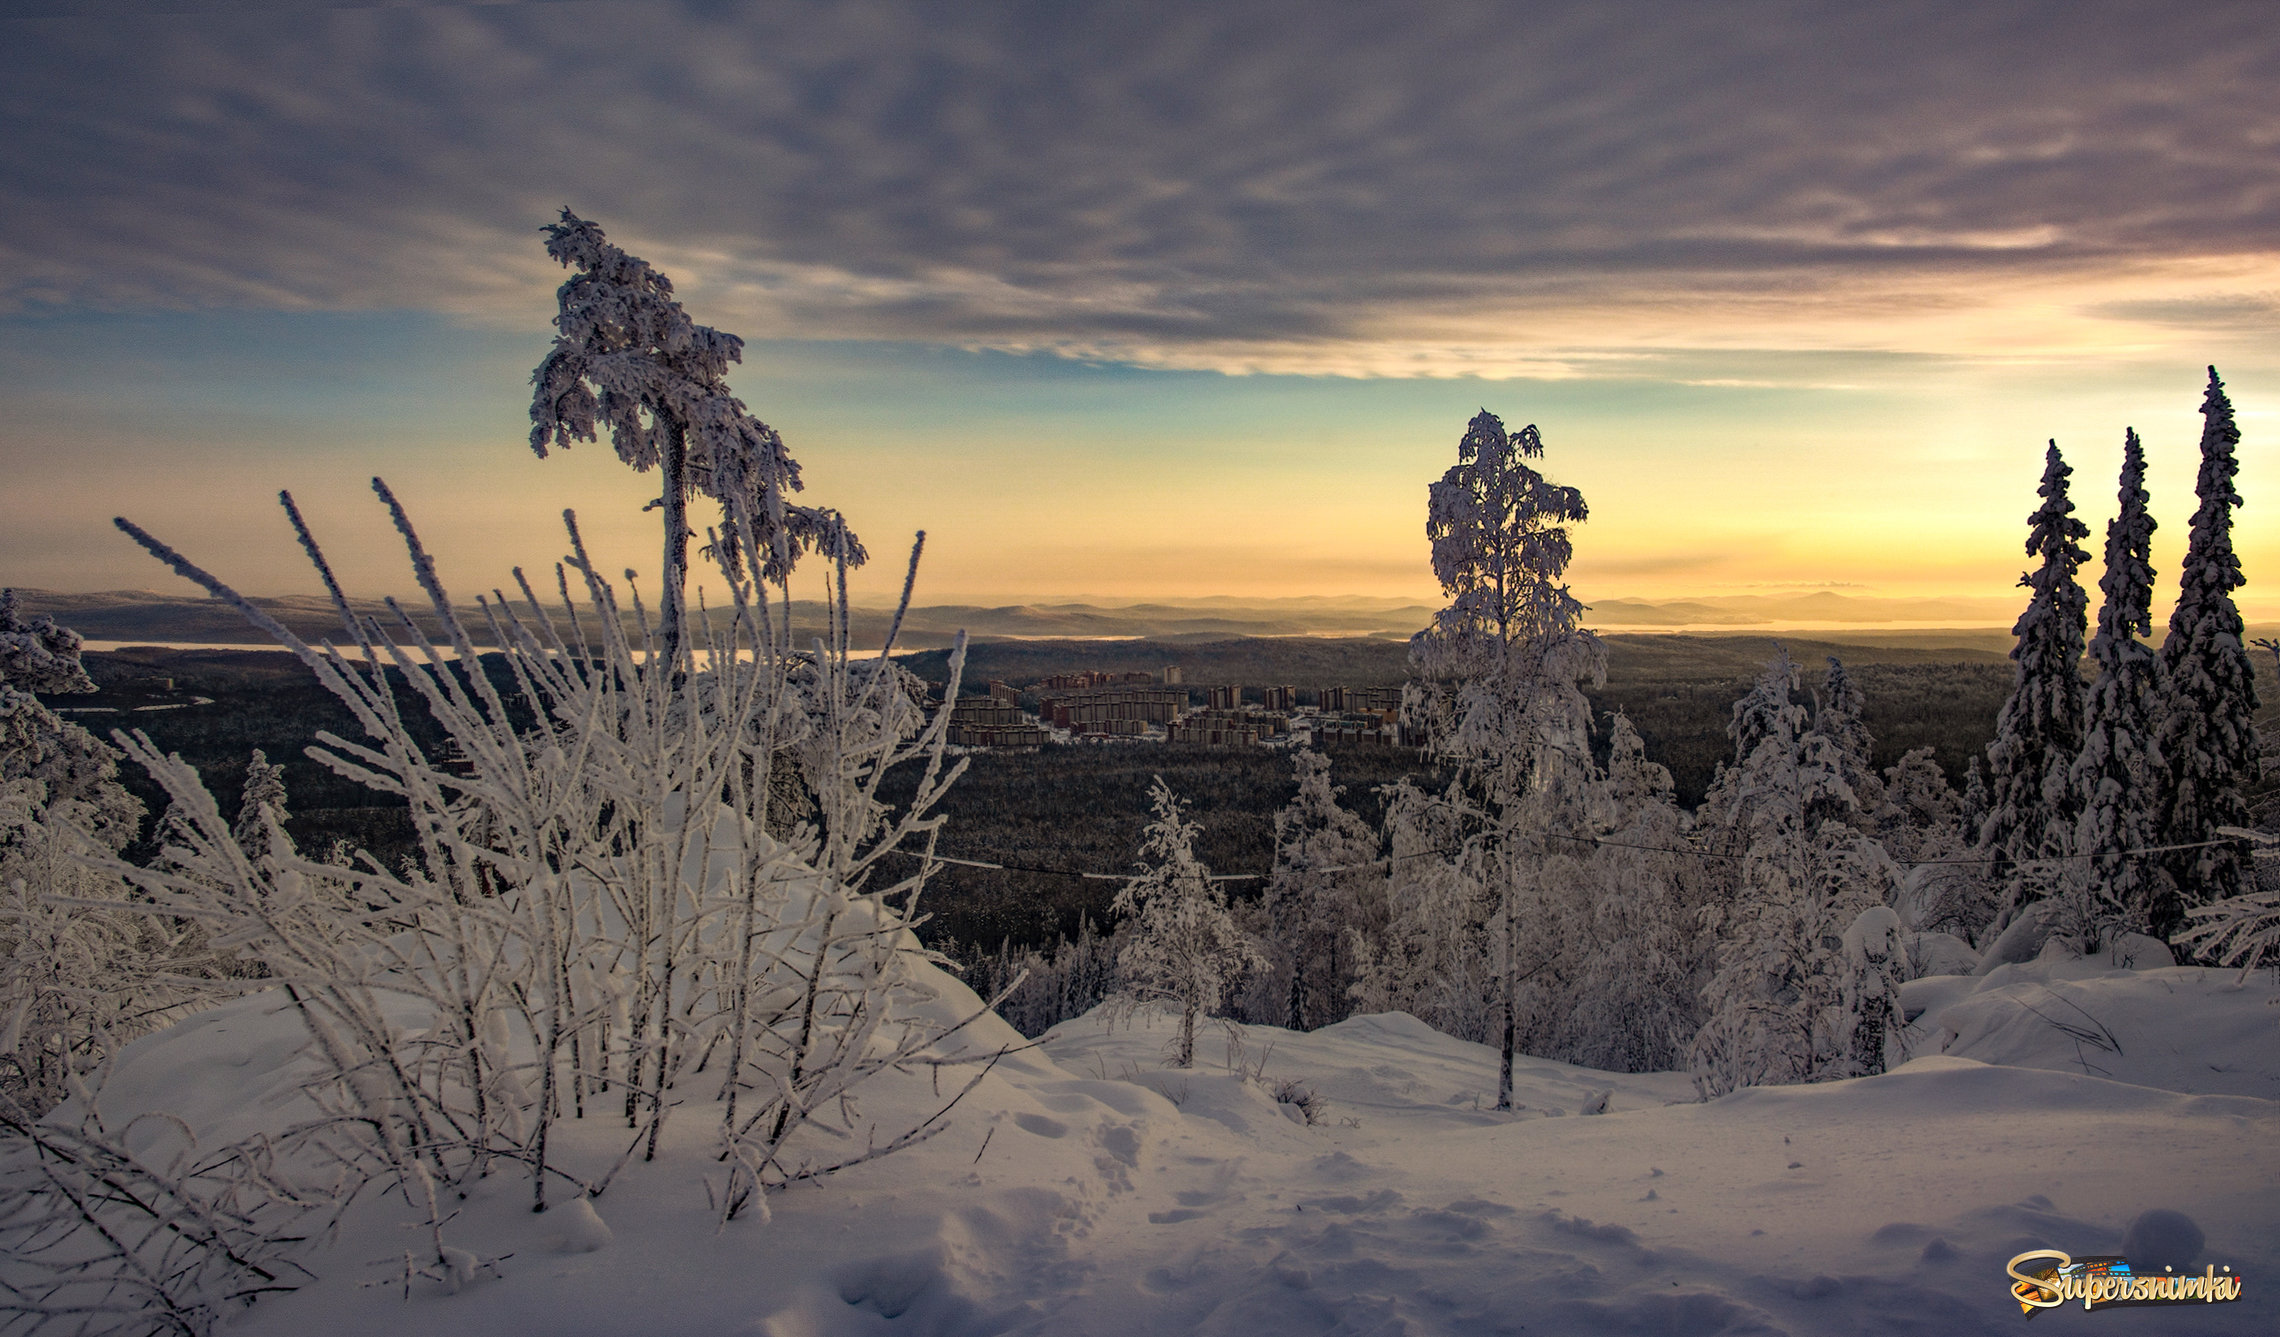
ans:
(676, 499)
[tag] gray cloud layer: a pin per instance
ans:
(1130, 179)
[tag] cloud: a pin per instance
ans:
(1540, 192)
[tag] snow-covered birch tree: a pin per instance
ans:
(2208, 740)
(1496, 679)
(2032, 805)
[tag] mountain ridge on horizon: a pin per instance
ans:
(126, 615)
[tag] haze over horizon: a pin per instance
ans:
(1146, 305)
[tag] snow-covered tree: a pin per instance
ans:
(2208, 741)
(1876, 961)
(1840, 719)
(260, 825)
(1922, 826)
(1971, 804)
(1324, 859)
(1630, 998)
(1497, 676)
(77, 775)
(2117, 775)
(73, 980)
(1772, 1011)
(2032, 805)
(1179, 943)
(627, 359)
(1437, 957)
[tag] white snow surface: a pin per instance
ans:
(1083, 1188)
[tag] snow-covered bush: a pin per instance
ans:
(598, 905)
(600, 922)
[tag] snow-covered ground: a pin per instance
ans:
(1082, 1188)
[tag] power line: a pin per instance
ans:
(1599, 841)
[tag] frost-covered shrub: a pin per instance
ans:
(598, 902)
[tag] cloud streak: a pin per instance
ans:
(1241, 187)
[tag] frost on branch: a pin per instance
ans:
(604, 919)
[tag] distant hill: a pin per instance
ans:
(148, 616)
(1821, 608)
(1933, 626)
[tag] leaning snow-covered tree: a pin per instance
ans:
(1497, 677)
(2032, 803)
(1179, 944)
(2208, 740)
(627, 359)
(2116, 776)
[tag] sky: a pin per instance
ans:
(1146, 300)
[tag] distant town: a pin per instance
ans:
(1102, 708)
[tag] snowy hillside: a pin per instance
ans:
(1082, 1188)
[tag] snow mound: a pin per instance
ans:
(1084, 1189)
(2179, 1028)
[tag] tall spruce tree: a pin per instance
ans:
(1841, 720)
(2031, 805)
(2117, 774)
(2208, 740)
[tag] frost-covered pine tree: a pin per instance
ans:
(2117, 775)
(1179, 943)
(1841, 719)
(2031, 800)
(1497, 677)
(260, 824)
(1324, 858)
(627, 359)
(1772, 1011)
(2208, 740)
(1971, 804)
